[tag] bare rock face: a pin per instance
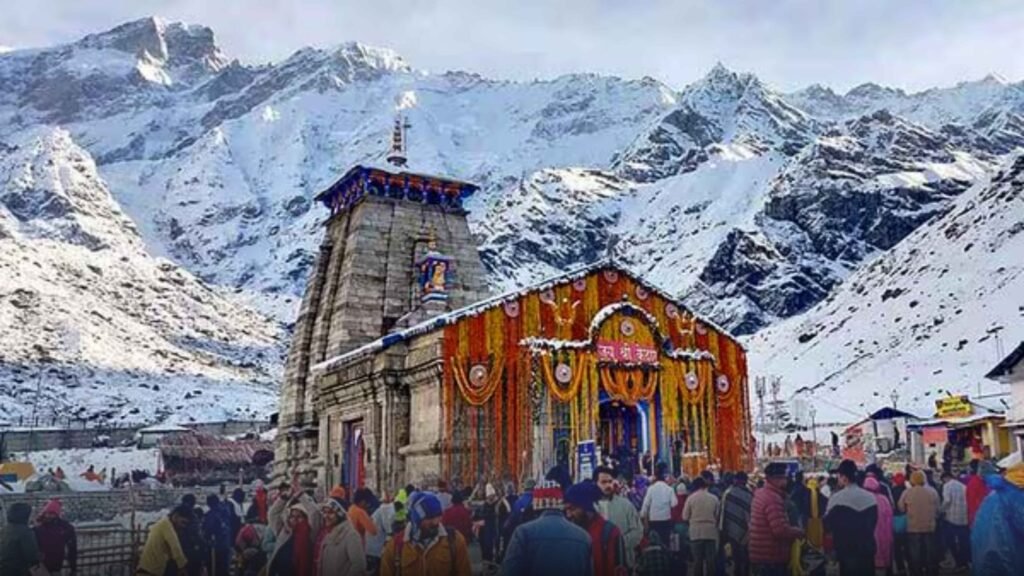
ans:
(931, 309)
(722, 109)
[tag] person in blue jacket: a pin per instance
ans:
(998, 532)
(522, 510)
(217, 534)
(551, 545)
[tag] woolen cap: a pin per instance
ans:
(583, 495)
(847, 468)
(547, 495)
(423, 506)
(775, 470)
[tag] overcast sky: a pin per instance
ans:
(913, 44)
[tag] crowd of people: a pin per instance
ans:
(864, 521)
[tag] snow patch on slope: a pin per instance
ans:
(670, 228)
(918, 319)
(558, 219)
(104, 330)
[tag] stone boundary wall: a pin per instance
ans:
(100, 506)
(104, 506)
(22, 440)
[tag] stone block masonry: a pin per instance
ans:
(106, 505)
(365, 281)
(102, 506)
(29, 440)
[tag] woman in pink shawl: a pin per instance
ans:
(883, 528)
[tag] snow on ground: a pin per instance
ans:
(824, 434)
(144, 519)
(75, 461)
(75, 484)
(965, 167)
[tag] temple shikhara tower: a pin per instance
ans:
(404, 368)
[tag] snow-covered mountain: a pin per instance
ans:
(960, 104)
(96, 328)
(217, 161)
(752, 204)
(722, 111)
(751, 236)
(563, 215)
(983, 116)
(922, 317)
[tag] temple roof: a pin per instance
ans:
(448, 318)
(889, 413)
(369, 179)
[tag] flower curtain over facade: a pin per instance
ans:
(525, 378)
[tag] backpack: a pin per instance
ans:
(607, 531)
(606, 534)
(399, 542)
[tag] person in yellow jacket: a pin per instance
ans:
(815, 525)
(425, 548)
(162, 554)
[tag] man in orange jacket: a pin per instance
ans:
(425, 547)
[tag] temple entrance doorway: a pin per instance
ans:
(353, 470)
(621, 434)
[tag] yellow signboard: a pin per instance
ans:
(953, 407)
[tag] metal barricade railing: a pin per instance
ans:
(109, 550)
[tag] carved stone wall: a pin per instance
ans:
(364, 282)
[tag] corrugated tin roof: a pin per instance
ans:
(957, 421)
(1007, 365)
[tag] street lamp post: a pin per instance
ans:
(814, 439)
(776, 417)
(759, 388)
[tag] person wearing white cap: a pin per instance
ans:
(341, 550)
(295, 520)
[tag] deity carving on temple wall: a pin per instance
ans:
(437, 281)
(435, 271)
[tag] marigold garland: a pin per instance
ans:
(616, 384)
(578, 368)
(489, 427)
(472, 395)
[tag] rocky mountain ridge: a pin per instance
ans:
(926, 318)
(752, 204)
(95, 328)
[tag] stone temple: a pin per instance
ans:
(405, 368)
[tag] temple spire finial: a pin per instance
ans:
(396, 155)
